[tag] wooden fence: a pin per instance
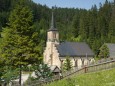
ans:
(91, 68)
(97, 66)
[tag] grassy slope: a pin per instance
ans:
(102, 78)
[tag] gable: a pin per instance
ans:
(54, 68)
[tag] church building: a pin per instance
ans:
(56, 52)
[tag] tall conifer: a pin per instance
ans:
(19, 39)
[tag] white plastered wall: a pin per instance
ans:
(79, 61)
(51, 49)
(56, 59)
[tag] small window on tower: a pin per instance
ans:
(54, 35)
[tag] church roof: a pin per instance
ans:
(52, 26)
(74, 49)
(111, 49)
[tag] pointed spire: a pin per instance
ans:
(52, 21)
(52, 27)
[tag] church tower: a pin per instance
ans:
(52, 34)
(52, 41)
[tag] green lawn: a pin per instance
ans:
(102, 78)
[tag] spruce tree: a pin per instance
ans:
(67, 64)
(104, 51)
(111, 33)
(20, 43)
(43, 71)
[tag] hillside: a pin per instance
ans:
(23, 29)
(102, 78)
(94, 26)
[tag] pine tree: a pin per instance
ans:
(75, 24)
(67, 64)
(111, 34)
(42, 71)
(104, 51)
(83, 27)
(20, 43)
(9, 74)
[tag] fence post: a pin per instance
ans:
(85, 69)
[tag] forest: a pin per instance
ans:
(94, 26)
(24, 25)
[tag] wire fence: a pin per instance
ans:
(94, 67)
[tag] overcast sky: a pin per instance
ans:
(87, 4)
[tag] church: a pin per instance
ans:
(56, 52)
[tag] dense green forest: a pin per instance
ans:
(24, 25)
(94, 26)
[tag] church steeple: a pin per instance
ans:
(52, 26)
(52, 21)
(52, 34)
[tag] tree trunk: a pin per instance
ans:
(20, 76)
